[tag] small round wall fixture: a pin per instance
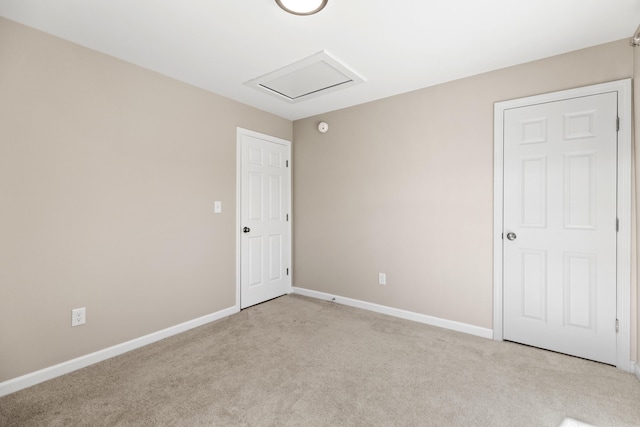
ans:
(302, 7)
(323, 127)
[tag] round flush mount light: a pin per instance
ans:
(302, 7)
(323, 127)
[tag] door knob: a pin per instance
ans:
(246, 230)
(511, 235)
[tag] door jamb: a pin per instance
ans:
(624, 180)
(239, 133)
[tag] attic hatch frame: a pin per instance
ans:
(316, 75)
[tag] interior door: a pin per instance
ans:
(265, 242)
(559, 235)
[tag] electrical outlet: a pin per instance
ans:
(382, 279)
(78, 316)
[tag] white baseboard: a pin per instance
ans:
(45, 374)
(403, 314)
(421, 318)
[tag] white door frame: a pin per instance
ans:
(623, 292)
(239, 133)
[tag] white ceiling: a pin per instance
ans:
(397, 46)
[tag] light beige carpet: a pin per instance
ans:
(304, 362)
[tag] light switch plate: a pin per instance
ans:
(217, 206)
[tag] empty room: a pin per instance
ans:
(319, 212)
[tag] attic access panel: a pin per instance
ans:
(308, 78)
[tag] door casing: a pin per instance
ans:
(624, 178)
(240, 132)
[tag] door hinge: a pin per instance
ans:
(617, 124)
(287, 271)
(617, 325)
(287, 163)
(617, 225)
(287, 217)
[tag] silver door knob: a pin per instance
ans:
(511, 236)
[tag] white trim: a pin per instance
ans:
(238, 211)
(623, 88)
(287, 143)
(637, 369)
(395, 312)
(498, 182)
(51, 372)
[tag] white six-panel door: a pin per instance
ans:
(265, 243)
(559, 242)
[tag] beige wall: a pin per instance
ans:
(404, 186)
(108, 174)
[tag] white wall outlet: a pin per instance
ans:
(78, 316)
(382, 279)
(217, 206)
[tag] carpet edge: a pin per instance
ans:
(396, 312)
(36, 377)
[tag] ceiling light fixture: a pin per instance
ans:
(302, 7)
